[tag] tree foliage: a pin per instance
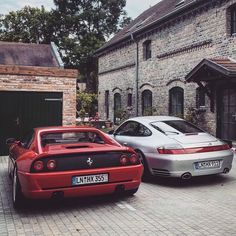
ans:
(28, 25)
(86, 103)
(78, 27)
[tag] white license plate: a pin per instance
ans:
(89, 179)
(207, 164)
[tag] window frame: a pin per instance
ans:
(130, 100)
(174, 91)
(135, 133)
(147, 93)
(233, 19)
(147, 50)
(200, 98)
(107, 104)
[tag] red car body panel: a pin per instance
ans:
(44, 184)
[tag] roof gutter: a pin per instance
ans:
(136, 75)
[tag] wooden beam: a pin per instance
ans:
(38, 71)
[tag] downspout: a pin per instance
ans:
(136, 75)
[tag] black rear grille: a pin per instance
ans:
(83, 161)
(161, 172)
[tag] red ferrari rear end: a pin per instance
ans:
(81, 173)
(81, 168)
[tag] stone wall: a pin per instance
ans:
(177, 47)
(45, 84)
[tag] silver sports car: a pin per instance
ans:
(172, 147)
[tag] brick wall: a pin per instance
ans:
(45, 84)
(177, 48)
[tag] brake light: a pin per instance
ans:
(38, 165)
(170, 151)
(51, 164)
(124, 160)
(134, 159)
(166, 150)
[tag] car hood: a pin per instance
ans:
(194, 138)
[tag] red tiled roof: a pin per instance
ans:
(226, 63)
(148, 17)
(223, 67)
(24, 54)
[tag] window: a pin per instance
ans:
(147, 50)
(146, 103)
(129, 100)
(133, 128)
(70, 138)
(200, 97)
(174, 127)
(107, 103)
(117, 108)
(28, 139)
(176, 101)
(233, 19)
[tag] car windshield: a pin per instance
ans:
(70, 138)
(176, 127)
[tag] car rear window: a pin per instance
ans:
(70, 137)
(176, 127)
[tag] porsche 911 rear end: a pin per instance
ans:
(82, 174)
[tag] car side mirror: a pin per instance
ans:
(10, 141)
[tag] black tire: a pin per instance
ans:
(17, 196)
(8, 168)
(147, 175)
(131, 192)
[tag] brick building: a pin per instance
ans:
(35, 89)
(176, 58)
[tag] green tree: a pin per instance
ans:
(28, 25)
(86, 27)
(86, 103)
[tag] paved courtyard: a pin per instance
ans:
(202, 206)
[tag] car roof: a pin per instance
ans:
(149, 119)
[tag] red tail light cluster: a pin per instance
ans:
(51, 165)
(39, 165)
(163, 150)
(129, 160)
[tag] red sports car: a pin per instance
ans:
(57, 162)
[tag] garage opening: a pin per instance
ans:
(22, 111)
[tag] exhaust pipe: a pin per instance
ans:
(226, 170)
(57, 195)
(186, 176)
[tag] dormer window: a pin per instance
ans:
(233, 20)
(147, 49)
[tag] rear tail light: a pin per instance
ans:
(124, 160)
(180, 150)
(134, 159)
(38, 165)
(51, 164)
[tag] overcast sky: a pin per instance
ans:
(133, 7)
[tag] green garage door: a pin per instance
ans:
(22, 111)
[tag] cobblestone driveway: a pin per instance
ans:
(202, 206)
